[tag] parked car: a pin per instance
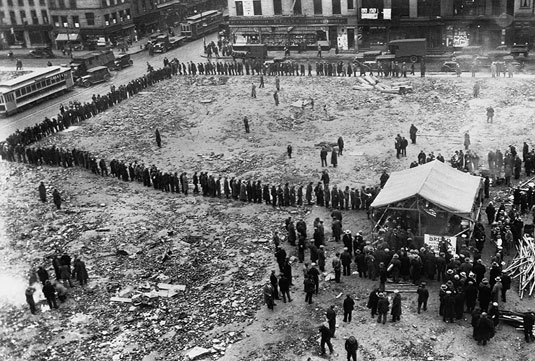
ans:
(520, 49)
(122, 61)
(95, 75)
(450, 66)
(161, 47)
(42, 53)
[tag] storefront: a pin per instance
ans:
(294, 32)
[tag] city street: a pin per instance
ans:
(188, 52)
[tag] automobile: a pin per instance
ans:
(450, 66)
(42, 53)
(161, 47)
(520, 49)
(94, 75)
(122, 61)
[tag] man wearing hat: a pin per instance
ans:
(506, 283)
(423, 296)
(484, 330)
(470, 294)
(351, 347)
(325, 338)
(337, 267)
(347, 239)
(497, 289)
(349, 305)
(484, 294)
(528, 320)
(321, 258)
(331, 319)
(396, 306)
(345, 258)
(309, 289)
(383, 306)
(494, 313)
(315, 276)
(449, 307)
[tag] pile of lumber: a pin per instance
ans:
(515, 319)
(370, 82)
(523, 266)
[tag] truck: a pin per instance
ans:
(94, 75)
(412, 50)
(249, 51)
(81, 64)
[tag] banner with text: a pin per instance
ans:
(433, 242)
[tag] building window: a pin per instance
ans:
(350, 4)
(2, 16)
(277, 7)
(128, 14)
(76, 21)
(44, 15)
(525, 4)
(112, 2)
(64, 22)
(42, 2)
(61, 4)
(114, 18)
(23, 17)
(72, 4)
(104, 3)
(35, 19)
(337, 9)
(31, 2)
(297, 7)
(106, 19)
(9, 2)
(13, 18)
(90, 18)
(21, 2)
(55, 20)
(318, 9)
(239, 8)
(257, 7)
(429, 8)
(400, 8)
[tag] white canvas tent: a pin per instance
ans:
(430, 188)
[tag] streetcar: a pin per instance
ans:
(202, 24)
(30, 86)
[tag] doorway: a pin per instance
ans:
(351, 38)
(333, 36)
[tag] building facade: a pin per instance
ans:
(294, 23)
(524, 22)
(24, 23)
(83, 21)
(370, 24)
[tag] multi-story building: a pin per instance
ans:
(524, 22)
(83, 20)
(294, 23)
(368, 24)
(445, 23)
(24, 23)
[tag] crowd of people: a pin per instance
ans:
(64, 272)
(465, 286)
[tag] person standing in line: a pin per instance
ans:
(325, 339)
(50, 294)
(383, 305)
(396, 306)
(284, 285)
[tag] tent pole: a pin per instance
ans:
(380, 219)
(419, 216)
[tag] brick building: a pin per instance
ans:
(24, 23)
(82, 20)
(370, 24)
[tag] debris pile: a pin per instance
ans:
(523, 266)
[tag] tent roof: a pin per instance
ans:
(435, 181)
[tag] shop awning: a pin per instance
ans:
(68, 37)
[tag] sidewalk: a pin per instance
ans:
(24, 53)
